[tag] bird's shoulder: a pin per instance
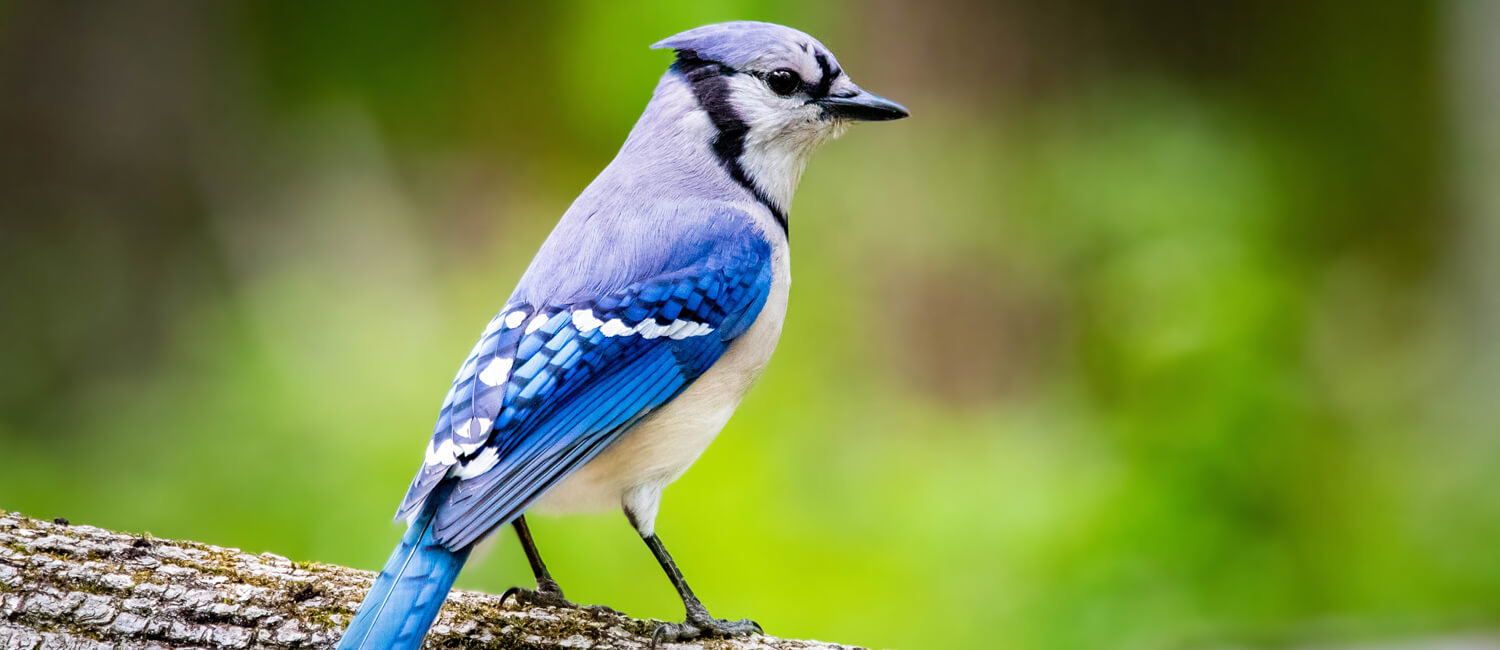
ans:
(596, 251)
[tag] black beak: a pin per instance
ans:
(862, 106)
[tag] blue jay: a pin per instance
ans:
(636, 330)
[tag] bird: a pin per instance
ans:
(638, 327)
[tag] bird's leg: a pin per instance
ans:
(547, 592)
(699, 623)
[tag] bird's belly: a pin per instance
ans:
(665, 443)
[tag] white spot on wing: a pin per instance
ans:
(468, 448)
(473, 427)
(616, 327)
(444, 454)
(649, 329)
(480, 464)
(497, 372)
(514, 318)
(584, 320)
(690, 329)
(536, 323)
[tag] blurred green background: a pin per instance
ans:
(1159, 325)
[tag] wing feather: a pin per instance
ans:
(576, 376)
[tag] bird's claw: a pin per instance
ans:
(544, 597)
(536, 598)
(705, 627)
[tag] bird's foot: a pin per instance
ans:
(528, 598)
(547, 594)
(702, 627)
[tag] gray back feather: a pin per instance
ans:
(665, 189)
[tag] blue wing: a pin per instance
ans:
(549, 386)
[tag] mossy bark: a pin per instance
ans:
(66, 586)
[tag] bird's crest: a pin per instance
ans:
(741, 43)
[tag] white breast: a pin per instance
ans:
(633, 471)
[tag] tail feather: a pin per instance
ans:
(409, 591)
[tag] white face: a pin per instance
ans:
(785, 127)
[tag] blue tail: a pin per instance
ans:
(411, 588)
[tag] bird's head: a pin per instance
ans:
(773, 95)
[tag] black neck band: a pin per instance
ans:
(710, 84)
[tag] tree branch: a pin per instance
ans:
(83, 587)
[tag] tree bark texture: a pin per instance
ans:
(81, 587)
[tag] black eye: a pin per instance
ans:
(783, 82)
